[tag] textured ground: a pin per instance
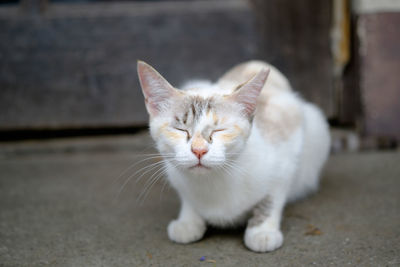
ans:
(59, 206)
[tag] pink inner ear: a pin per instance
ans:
(248, 93)
(157, 91)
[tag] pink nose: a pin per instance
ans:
(199, 152)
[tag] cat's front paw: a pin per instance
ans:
(185, 231)
(262, 240)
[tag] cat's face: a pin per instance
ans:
(198, 133)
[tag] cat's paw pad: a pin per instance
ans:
(260, 240)
(185, 232)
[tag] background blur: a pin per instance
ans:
(68, 67)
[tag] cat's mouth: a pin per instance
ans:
(199, 166)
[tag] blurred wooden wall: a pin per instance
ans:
(342, 55)
(73, 65)
(295, 37)
(377, 34)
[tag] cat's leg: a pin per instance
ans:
(189, 226)
(263, 229)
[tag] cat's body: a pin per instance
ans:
(246, 150)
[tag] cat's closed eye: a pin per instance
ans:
(215, 131)
(184, 131)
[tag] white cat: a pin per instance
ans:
(236, 150)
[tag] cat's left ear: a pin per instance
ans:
(247, 94)
(157, 90)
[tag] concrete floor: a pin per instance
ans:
(60, 206)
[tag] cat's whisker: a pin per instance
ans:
(149, 168)
(163, 187)
(226, 170)
(130, 167)
(161, 155)
(146, 188)
(142, 169)
(220, 168)
(229, 164)
(156, 179)
(236, 168)
(150, 183)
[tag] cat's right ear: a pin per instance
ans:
(157, 90)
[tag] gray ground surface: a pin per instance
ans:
(59, 206)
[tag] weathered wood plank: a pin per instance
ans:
(296, 39)
(75, 65)
(379, 73)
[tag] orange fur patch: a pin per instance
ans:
(227, 137)
(238, 129)
(278, 123)
(215, 118)
(170, 134)
(173, 135)
(212, 116)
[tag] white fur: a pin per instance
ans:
(284, 171)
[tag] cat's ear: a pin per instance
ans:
(247, 94)
(157, 90)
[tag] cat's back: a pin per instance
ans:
(279, 110)
(279, 113)
(237, 76)
(290, 126)
(243, 72)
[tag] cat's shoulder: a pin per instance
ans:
(279, 115)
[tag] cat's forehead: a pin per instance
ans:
(198, 105)
(195, 109)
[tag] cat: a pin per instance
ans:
(236, 151)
